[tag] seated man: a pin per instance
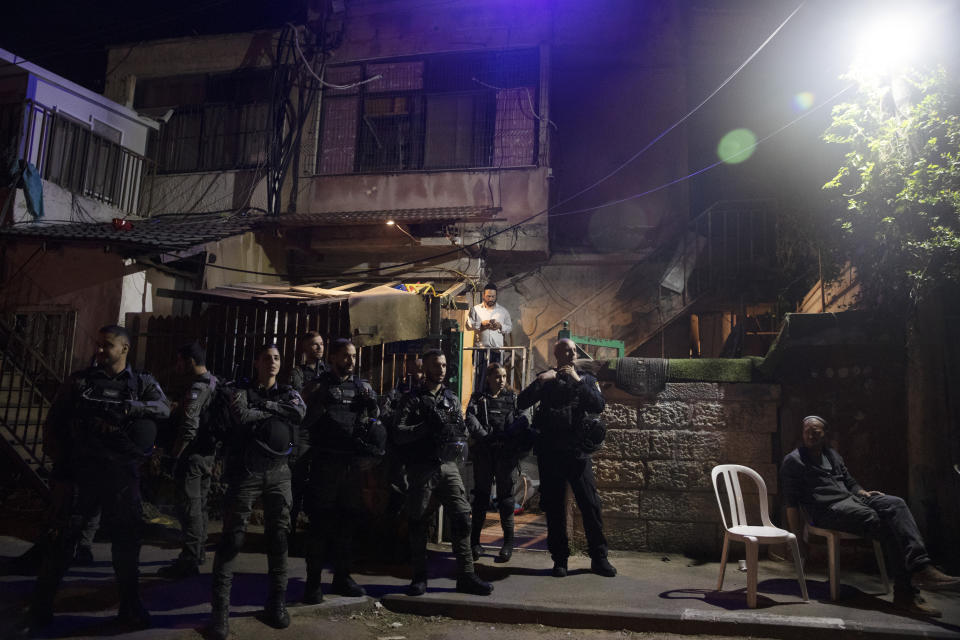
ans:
(814, 478)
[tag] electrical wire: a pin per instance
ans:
(686, 117)
(296, 43)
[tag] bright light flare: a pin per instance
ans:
(803, 101)
(892, 42)
(736, 146)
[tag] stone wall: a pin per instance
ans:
(653, 472)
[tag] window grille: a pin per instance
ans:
(449, 111)
(219, 122)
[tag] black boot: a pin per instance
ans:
(313, 554)
(559, 568)
(602, 567)
(275, 613)
(179, 569)
(476, 526)
(346, 586)
(132, 613)
(219, 627)
(313, 593)
(506, 551)
(471, 583)
(418, 586)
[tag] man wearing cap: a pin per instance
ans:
(815, 479)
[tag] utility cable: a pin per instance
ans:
(686, 117)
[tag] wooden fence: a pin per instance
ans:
(232, 334)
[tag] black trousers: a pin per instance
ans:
(556, 470)
(884, 518)
(100, 485)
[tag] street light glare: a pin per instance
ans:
(891, 42)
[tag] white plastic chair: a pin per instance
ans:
(833, 554)
(751, 535)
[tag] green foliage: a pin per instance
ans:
(899, 185)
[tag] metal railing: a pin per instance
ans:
(68, 153)
(27, 387)
(516, 371)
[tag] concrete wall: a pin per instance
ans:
(62, 205)
(653, 472)
(83, 279)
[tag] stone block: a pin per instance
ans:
(679, 506)
(623, 503)
(629, 444)
(626, 534)
(620, 416)
(679, 475)
(685, 445)
(697, 539)
(735, 416)
(618, 473)
(665, 415)
(747, 448)
(690, 392)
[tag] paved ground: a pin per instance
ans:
(653, 593)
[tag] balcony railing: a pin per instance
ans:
(70, 154)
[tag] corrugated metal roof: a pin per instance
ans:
(180, 231)
(434, 214)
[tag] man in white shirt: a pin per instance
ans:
(490, 321)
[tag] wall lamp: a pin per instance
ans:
(393, 223)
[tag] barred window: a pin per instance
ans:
(449, 111)
(219, 121)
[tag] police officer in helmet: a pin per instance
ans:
(346, 439)
(266, 417)
(429, 436)
(100, 429)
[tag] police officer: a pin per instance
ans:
(194, 450)
(313, 366)
(565, 421)
(496, 456)
(100, 429)
(346, 440)
(429, 436)
(266, 417)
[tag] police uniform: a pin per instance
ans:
(429, 436)
(304, 374)
(300, 377)
(495, 453)
(262, 436)
(562, 446)
(346, 439)
(193, 472)
(100, 429)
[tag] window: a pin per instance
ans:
(447, 111)
(219, 121)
